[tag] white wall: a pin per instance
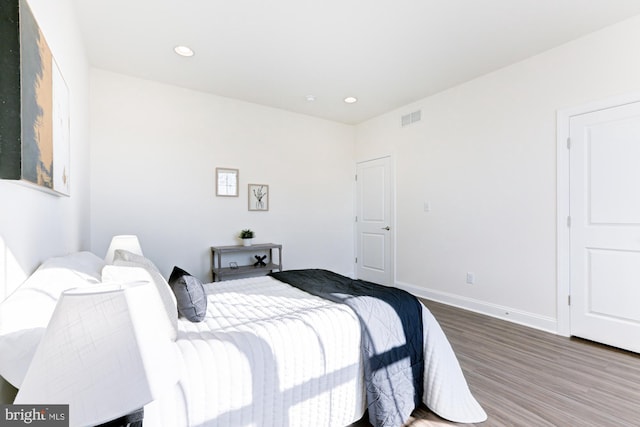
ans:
(35, 225)
(484, 156)
(154, 152)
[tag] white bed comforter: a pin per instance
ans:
(268, 354)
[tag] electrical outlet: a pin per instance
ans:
(471, 278)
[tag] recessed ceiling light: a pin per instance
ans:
(350, 99)
(183, 51)
(310, 98)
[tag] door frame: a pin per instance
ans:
(392, 215)
(563, 234)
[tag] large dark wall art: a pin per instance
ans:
(34, 104)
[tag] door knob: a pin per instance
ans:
(386, 228)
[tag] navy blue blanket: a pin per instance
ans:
(391, 322)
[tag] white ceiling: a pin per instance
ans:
(387, 53)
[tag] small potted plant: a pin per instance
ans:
(246, 236)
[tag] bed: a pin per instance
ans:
(265, 354)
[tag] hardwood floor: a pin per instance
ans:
(525, 377)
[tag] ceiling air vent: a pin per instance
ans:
(410, 118)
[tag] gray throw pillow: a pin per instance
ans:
(190, 296)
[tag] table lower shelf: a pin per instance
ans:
(225, 272)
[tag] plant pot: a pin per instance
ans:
(246, 242)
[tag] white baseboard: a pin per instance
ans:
(547, 324)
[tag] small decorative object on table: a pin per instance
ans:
(260, 262)
(246, 236)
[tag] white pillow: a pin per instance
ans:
(25, 314)
(125, 255)
(129, 259)
(132, 272)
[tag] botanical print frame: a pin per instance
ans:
(34, 99)
(258, 197)
(227, 181)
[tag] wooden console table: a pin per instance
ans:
(221, 273)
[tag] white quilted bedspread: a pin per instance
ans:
(268, 354)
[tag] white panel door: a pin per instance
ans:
(373, 227)
(605, 226)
